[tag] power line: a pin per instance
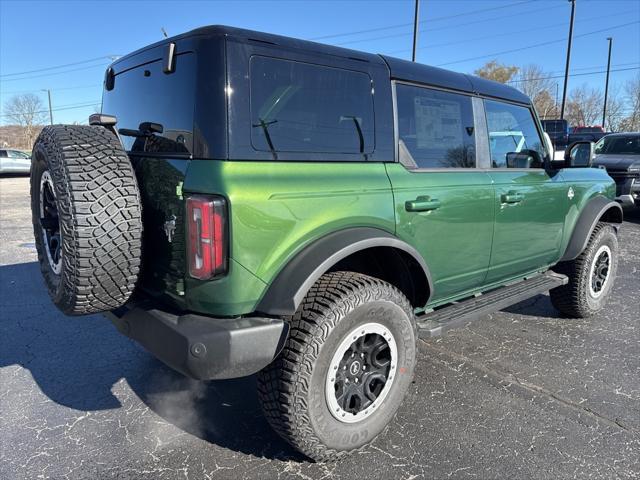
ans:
(54, 73)
(445, 27)
(572, 75)
(391, 27)
(79, 87)
(444, 44)
(550, 42)
(70, 106)
(55, 67)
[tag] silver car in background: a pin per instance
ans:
(14, 161)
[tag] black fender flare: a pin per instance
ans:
(595, 209)
(284, 294)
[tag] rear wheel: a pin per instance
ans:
(591, 275)
(86, 218)
(345, 368)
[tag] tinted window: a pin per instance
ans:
(299, 107)
(146, 94)
(17, 154)
(588, 130)
(435, 128)
(512, 131)
(620, 145)
(554, 126)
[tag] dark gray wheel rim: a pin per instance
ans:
(50, 222)
(361, 373)
(600, 270)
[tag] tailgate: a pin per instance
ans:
(163, 237)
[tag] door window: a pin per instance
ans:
(300, 107)
(16, 154)
(514, 140)
(435, 128)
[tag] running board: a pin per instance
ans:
(435, 323)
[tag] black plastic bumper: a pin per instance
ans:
(201, 347)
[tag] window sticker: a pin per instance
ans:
(438, 122)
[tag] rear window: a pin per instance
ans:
(554, 126)
(587, 130)
(147, 94)
(300, 107)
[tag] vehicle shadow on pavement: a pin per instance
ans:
(538, 306)
(79, 362)
(632, 216)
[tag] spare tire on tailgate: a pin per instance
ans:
(87, 218)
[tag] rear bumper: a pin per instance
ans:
(201, 347)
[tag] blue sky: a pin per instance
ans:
(458, 34)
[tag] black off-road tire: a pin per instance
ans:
(292, 388)
(97, 253)
(576, 299)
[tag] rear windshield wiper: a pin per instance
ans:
(356, 122)
(265, 128)
(145, 129)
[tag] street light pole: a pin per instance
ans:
(415, 31)
(50, 110)
(606, 84)
(566, 69)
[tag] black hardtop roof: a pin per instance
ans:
(623, 134)
(399, 69)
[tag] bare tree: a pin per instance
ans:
(615, 115)
(27, 111)
(584, 106)
(631, 122)
(497, 71)
(534, 82)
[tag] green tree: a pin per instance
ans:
(497, 71)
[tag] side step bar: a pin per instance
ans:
(435, 323)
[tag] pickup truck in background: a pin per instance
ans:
(583, 133)
(558, 131)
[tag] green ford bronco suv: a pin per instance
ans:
(249, 203)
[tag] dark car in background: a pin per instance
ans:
(586, 133)
(14, 161)
(558, 131)
(619, 154)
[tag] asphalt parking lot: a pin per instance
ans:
(519, 394)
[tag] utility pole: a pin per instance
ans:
(415, 31)
(566, 69)
(606, 84)
(50, 110)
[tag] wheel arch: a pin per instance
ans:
(598, 209)
(355, 249)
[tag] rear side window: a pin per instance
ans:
(435, 128)
(300, 107)
(514, 141)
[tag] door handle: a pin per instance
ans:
(422, 204)
(511, 197)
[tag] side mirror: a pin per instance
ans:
(549, 144)
(524, 159)
(579, 154)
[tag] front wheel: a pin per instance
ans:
(591, 275)
(345, 368)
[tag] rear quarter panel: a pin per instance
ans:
(278, 208)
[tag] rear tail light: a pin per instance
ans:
(207, 225)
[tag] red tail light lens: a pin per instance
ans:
(207, 249)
